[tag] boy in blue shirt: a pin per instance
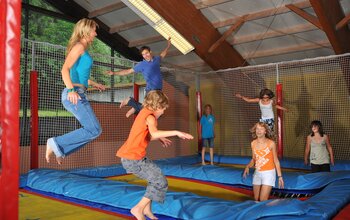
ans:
(208, 133)
(150, 69)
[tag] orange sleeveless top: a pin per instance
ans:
(135, 146)
(263, 157)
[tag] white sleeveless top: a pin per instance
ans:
(266, 110)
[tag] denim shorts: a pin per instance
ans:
(208, 142)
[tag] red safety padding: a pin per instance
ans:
(10, 42)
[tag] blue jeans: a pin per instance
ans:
(135, 104)
(91, 128)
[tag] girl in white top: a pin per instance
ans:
(265, 103)
(319, 148)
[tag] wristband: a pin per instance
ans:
(279, 176)
(71, 90)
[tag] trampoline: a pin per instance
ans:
(199, 192)
(312, 88)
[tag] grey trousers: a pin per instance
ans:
(147, 170)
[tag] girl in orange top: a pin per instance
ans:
(133, 152)
(266, 162)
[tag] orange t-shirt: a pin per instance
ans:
(135, 146)
(263, 157)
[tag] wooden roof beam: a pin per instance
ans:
(288, 49)
(190, 23)
(126, 26)
(271, 33)
(226, 34)
(343, 22)
(202, 4)
(261, 14)
(330, 13)
(310, 18)
(106, 9)
(207, 3)
(146, 41)
(173, 53)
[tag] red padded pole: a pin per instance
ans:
(34, 112)
(10, 43)
(199, 115)
(279, 120)
(136, 94)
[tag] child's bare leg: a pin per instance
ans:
(137, 210)
(211, 150)
(124, 102)
(203, 155)
(130, 112)
(148, 211)
(256, 190)
(265, 192)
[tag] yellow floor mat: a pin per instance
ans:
(201, 189)
(35, 207)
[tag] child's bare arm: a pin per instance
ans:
(250, 100)
(277, 166)
(330, 149)
(281, 108)
(307, 150)
(156, 134)
(249, 165)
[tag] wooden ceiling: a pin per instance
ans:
(225, 33)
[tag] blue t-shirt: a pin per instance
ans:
(80, 71)
(207, 123)
(151, 73)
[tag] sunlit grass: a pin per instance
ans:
(48, 113)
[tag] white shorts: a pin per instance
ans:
(267, 177)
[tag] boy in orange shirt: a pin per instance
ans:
(266, 162)
(133, 152)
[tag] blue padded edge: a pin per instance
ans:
(90, 204)
(188, 205)
(285, 162)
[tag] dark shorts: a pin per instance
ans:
(320, 168)
(208, 142)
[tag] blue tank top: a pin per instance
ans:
(80, 71)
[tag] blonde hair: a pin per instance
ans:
(269, 134)
(155, 100)
(81, 30)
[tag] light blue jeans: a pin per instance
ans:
(74, 140)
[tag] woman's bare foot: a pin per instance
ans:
(59, 160)
(130, 112)
(124, 102)
(137, 212)
(48, 153)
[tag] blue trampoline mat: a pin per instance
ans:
(87, 184)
